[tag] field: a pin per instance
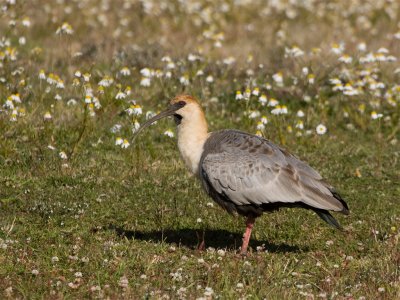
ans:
(88, 212)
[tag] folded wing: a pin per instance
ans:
(249, 170)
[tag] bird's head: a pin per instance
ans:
(182, 107)
(187, 106)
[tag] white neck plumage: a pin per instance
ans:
(192, 134)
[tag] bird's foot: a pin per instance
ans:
(201, 246)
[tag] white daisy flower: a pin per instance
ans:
(63, 155)
(125, 144)
(125, 71)
(239, 95)
(375, 115)
(321, 129)
(169, 133)
(119, 141)
(145, 81)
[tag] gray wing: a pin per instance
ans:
(251, 170)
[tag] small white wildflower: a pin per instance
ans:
(116, 128)
(169, 133)
(125, 71)
(63, 155)
(184, 80)
(42, 75)
(71, 102)
(146, 72)
(375, 115)
(135, 126)
(192, 57)
(86, 77)
(106, 81)
(260, 126)
(47, 116)
(229, 60)
(247, 94)
(120, 95)
(221, 252)
(8, 104)
(199, 220)
(35, 272)
(135, 110)
(125, 144)
(321, 129)
(145, 81)
(337, 48)
(15, 98)
(273, 102)
(294, 52)
(119, 141)
(277, 110)
(362, 47)
(65, 28)
(208, 292)
(239, 95)
(254, 114)
(278, 78)
(210, 79)
(264, 120)
(123, 282)
(263, 99)
(55, 259)
(26, 22)
(239, 286)
(300, 125)
(78, 274)
(347, 59)
(381, 289)
(181, 292)
(300, 114)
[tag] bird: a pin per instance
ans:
(247, 174)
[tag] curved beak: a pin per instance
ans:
(166, 113)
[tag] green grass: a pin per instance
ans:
(132, 219)
(132, 214)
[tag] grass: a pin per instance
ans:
(116, 223)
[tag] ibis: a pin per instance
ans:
(247, 174)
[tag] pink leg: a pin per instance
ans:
(246, 236)
(202, 244)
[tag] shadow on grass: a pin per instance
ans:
(218, 239)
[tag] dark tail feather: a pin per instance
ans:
(328, 218)
(338, 197)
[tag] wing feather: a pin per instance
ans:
(249, 170)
